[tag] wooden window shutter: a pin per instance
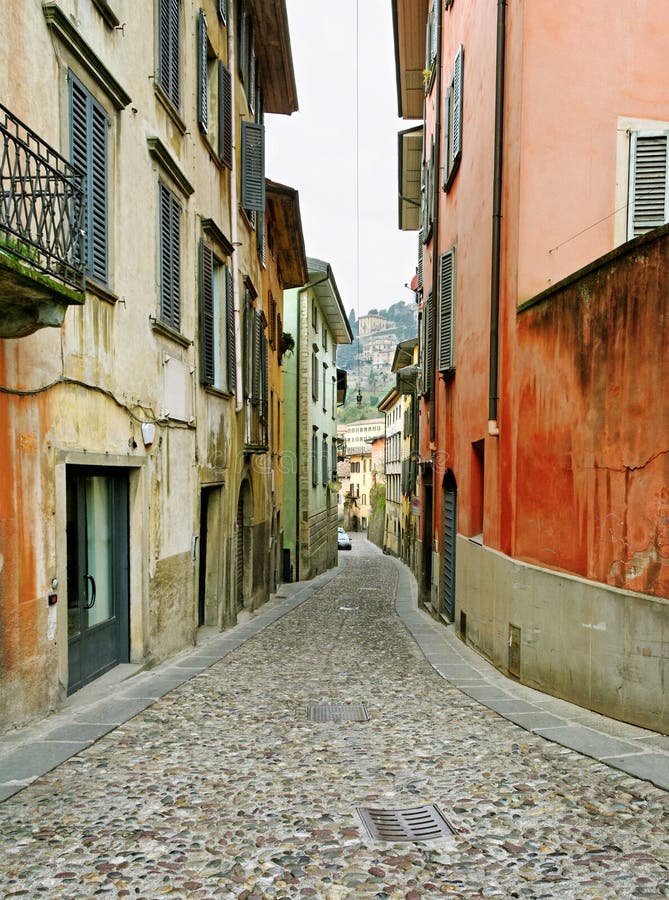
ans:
(458, 71)
(428, 355)
(253, 166)
(169, 49)
(446, 354)
(649, 182)
(223, 11)
(231, 357)
(251, 92)
(88, 140)
(207, 349)
(170, 259)
(436, 7)
(202, 83)
(225, 115)
(242, 39)
(420, 261)
(256, 373)
(448, 130)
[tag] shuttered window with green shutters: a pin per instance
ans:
(446, 319)
(223, 11)
(453, 120)
(217, 331)
(169, 49)
(253, 166)
(649, 181)
(202, 73)
(169, 216)
(88, 141)
(225, 115)
(427, 355)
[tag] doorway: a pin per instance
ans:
(449, 524)
(98, 597)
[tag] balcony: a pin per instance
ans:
(255, 430)
(42, 207)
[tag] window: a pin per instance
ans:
(325, 380)
(225, 115)
(364, 499)
(427, 326)
(325, 460)
(223, 11)
(325, 337)
(314, 374)
(453, 121)
(256, 381)
(648, 205)
(169, 215)
(169, 49)
(314, 315)
(253, 166)
(334, 460)
(314, 458)
(446, 349)
(432, 36)
(217, 330)
(88, 139)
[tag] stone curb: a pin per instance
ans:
(636, 751)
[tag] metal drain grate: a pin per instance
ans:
(419, 823)
(337, 712)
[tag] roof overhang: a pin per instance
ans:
(410, 165)
(283, 209)
(322, 282)
(389, 400)
(275, 57)
(409, 20)
(406, 379)
(404, 354)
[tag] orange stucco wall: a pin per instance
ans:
(592, 423)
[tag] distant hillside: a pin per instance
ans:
(368, 364)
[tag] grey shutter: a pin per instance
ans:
(420, 261)
(446, 357)
(649, 182)
(223, 11)
(436, 6)
(242, 39)
(457, 103)
(230, 331)
(225, 115)
(428, 355)
(253, 166)
(448, 129)
(170, 261)
(202, 84)
(88, 140)
(207, 349)
(169, 49)
(256, 357)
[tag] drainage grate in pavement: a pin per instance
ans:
(337, 712)
(418, 823)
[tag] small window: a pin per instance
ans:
(453, 121)
(314, 375)
(170, 257)
(169, 50)
(217, 332)
(446, 336)
(314, 459)
(648, 205)
(325, 460)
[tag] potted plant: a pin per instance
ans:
(286, 344)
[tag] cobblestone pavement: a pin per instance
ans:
(224, 789)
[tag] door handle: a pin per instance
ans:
(92, 581)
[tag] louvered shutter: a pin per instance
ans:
(420, 260)
(223, 11)
(458, 67)
(649, 182)
(256, 357)
(207, 347)
(230, 331)
(429, 355)
(88, 140)
(242, 39)
(225, 115)
(253, 166)
(448, 129)
(202, 84)
(436, 7)
(170, 259)
(446, 357)
(169, 29)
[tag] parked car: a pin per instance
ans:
(343, 540)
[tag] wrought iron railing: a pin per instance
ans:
(42, 203)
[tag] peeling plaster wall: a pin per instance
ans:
(592, 414)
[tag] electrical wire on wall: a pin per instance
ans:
(357, 196)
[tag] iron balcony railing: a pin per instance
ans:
(256, 433)
(42, 203)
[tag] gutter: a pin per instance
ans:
(435, 238)
(493, 398)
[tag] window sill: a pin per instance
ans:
(168, 331)
(476, 539)
(221, 393)
(94, 287)
(170, 109)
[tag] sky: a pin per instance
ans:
(344, 165)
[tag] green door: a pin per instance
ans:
(97, 573)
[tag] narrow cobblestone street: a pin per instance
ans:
(224, 789)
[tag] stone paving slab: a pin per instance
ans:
(35, 759)
(649, 766)
(588, 741)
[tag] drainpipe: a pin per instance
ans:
(493, 399)
(298, 397)
(234, 232)
(436, 191)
